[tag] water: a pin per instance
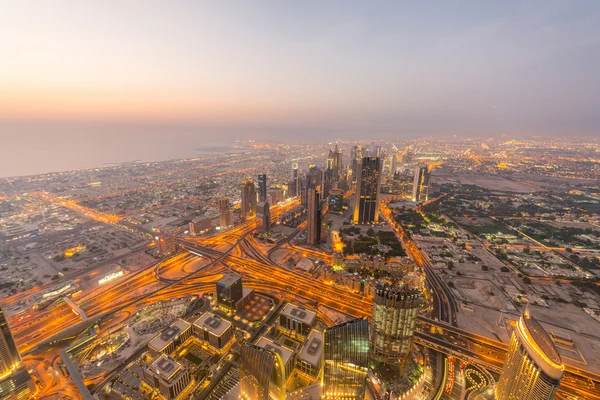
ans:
(30, 154)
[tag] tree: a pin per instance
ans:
(504, 269)
(485, 268)
(451, 284)
(526, 280)
(450, 264)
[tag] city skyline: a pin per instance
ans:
(273, 70)
(300, 200)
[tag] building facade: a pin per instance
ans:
(262, 375)
(229, 291)
(9, 355)
(346, 360)
(533, 367)
(224, 212)
(262, 188)
(420, 182)
(313, 227)
(248, 203)
(395, 310)
(366, 198)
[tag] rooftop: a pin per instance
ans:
(541, 338)
(313, 347)
(268, 344)
(229, 279)
(165, 367)
(299, 314)
(170, 333)
(212, 323)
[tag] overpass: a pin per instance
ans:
(76, 309)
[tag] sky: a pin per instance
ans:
(294, 70)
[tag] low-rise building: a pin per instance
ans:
(167, 376)
(310, 359)
(170, 338)
(296, 320)
(214, 330)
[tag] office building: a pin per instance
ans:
(214, 330)
(229, 291)
(420, 182)
(366, 198)
(248, 204)
(395, 310)
(224, 212)
(262, 188)
(345, 360)
(17, 385)
(170, 338)
(315, 178)
(393, 164)
(199, 226)
(310, 358)
(336, 200)
(286, 354)
(533, 367)
(262, 374)
(167, 376)
(166, 244)
(296, 320)
(9, 355)
(264, 215)
(314, 223)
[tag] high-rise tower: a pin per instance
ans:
(262, 188)
(366, 205)
(9, 355)
(224, 213)
(346, 359)
(313, 227)
(533, 367)
(420, 183)
(248, 206)
(395, 310)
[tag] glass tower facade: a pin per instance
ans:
(9, 355)
(346, 360)
(262, 374)
(366, 206)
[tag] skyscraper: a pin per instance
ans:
(224, 212)
(336, 164)
(355, 156)
(313, 228)
(265, 216)
(346, 359)
(394, 164)
(262, 374)
(9, 355)
(248, 206)
(395, 310)
(262, 188)
(420, 183)
(533, 367)
(229, 291)
(294, 186)
(366, 205)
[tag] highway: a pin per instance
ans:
(240, 255)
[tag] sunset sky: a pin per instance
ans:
(339, 66)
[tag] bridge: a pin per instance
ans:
(76, 309)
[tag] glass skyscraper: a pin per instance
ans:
(346, 360)
(366, 206)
